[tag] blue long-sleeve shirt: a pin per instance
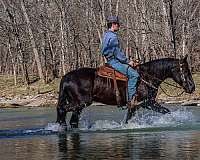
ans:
(111, 47)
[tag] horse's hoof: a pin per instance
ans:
(74, 125)
(169, 112)
(166, 111)
(63, 126)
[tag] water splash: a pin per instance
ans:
(24, 132)
(103, 125)
(143, 119)
(180, 118)
(54, 127)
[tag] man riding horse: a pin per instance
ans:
(117, 59)
(81, 87)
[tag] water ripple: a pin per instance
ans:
(180, 119)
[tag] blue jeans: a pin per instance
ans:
(130, 73)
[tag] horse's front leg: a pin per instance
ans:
(155, 106)
(131, 113)
(159, 108)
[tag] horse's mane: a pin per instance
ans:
(159, 68)
(158, 63)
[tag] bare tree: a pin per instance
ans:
(56, 36)
(35, 51)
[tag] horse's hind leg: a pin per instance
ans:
(61, 114)
(76, 113)
(75, 119)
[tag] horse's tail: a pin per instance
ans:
(61, 97)
(62, 102)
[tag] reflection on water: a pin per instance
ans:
(168, 145)
(129, 145)
(157, 141)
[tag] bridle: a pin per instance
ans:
(181, 71)
(180, 67)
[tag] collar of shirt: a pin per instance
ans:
(111, 31)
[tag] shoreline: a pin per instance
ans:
(50, 100)
(39, 100)
(40, 94)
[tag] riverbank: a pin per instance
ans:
(40, 100)
(39, 94)
(34, 95)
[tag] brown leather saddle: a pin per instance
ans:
(108, 72)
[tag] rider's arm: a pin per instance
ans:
(119, 54)
(107, 49)
(105, 46)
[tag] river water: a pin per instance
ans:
(30, 133)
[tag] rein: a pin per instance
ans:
(158, 80)
(152, 86)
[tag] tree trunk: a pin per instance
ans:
(20, 55)
(37, 58)
(13, 64)
(173, 29)
(167, 35)
(62, 56)
(127, 29)
(143, 27)
(117, 8)
(53, 58)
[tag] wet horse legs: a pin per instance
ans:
(148, 104)
(131, 113)
(61, 114)
(61, 108)
(159, 108)
(75, 119)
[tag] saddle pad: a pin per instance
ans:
(108, 72)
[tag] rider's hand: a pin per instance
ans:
(136, 63)
(131, 63)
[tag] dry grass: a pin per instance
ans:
(9, 90)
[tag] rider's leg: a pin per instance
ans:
(132, 77)
(132, 81)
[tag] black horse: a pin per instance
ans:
(79, 88)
